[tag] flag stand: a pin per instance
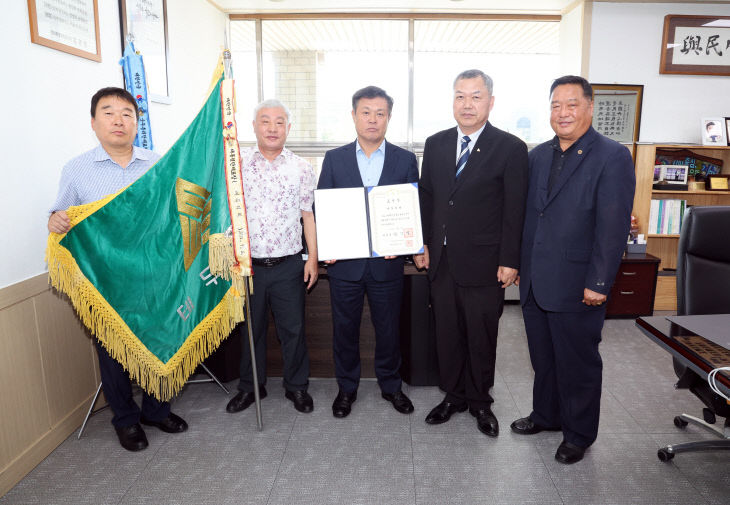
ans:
(212, 378)
(91, 410)
(257, 399)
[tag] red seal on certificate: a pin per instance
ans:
(408, 233)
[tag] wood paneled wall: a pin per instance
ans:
(48, 375)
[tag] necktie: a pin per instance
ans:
(464, 154)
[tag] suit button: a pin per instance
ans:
(443, 226)
(541, 214)
(451, 202)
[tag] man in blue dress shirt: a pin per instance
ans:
(114, 164)
(369, 161)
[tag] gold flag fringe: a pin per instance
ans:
(162, 380)
(223, 263)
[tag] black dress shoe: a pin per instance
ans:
(486, 421)
(342, 405)
(443, 411)
(171, 424)
(400, 401)
(525, 426)
(301, 399)
(244, 400)
(132, 437)
(568, 453)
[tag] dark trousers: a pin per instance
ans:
(280, 287)
(568, 369)
(467, 321)
(384, 299)
(118, 392)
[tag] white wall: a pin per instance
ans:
(46, 119)
(625, 49)
(571, 47)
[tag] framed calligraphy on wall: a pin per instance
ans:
(696, 45)
(146, 22)
(617, 111)
(71, 28)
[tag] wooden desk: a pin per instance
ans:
(418, 346)
(699, 354)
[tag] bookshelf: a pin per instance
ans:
(665, 246)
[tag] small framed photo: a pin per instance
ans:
(714, 131)
(675, 174)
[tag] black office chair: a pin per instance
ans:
(703, 287)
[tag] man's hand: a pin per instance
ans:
(329, 262)
(59, 222)
(422, 260)
(311, 272)
(592, 298)
(390, 257)
(506, 276)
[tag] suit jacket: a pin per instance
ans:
(340, 170)
(481, 212)
(575, 235)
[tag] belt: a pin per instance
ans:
(269, 262)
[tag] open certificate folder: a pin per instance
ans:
(368, 222)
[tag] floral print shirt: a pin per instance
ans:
(276, 193)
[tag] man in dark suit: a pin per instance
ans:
(577, 219)
(369, 161)
(472, 191)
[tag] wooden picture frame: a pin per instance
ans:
(695, 45)
(74, 32)
(617, 111)
(147, 24)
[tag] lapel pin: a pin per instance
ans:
(478, 149)
(580, 151)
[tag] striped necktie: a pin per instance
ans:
(464, 154)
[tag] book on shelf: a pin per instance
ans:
(665, 216)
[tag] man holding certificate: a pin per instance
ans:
(472, 189)
(369, 161)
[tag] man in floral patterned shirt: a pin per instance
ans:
(279, 190)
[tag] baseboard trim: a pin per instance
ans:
(41, 448)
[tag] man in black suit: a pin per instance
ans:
(369, 161)
(472, 191)
(577, 219)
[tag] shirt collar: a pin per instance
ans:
(472, 136)
(380, 148)
(285, 153)
(581, 140)
(138, 153)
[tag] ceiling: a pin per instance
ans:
(415, 6)
(505, 37)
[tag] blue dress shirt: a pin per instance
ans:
(370, 168)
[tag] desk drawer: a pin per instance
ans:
(631, 301)
(635, 274)
(633, 290)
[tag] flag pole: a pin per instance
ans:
(227, 74)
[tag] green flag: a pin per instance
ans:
(136, 264)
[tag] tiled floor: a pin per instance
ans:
(378, 456)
